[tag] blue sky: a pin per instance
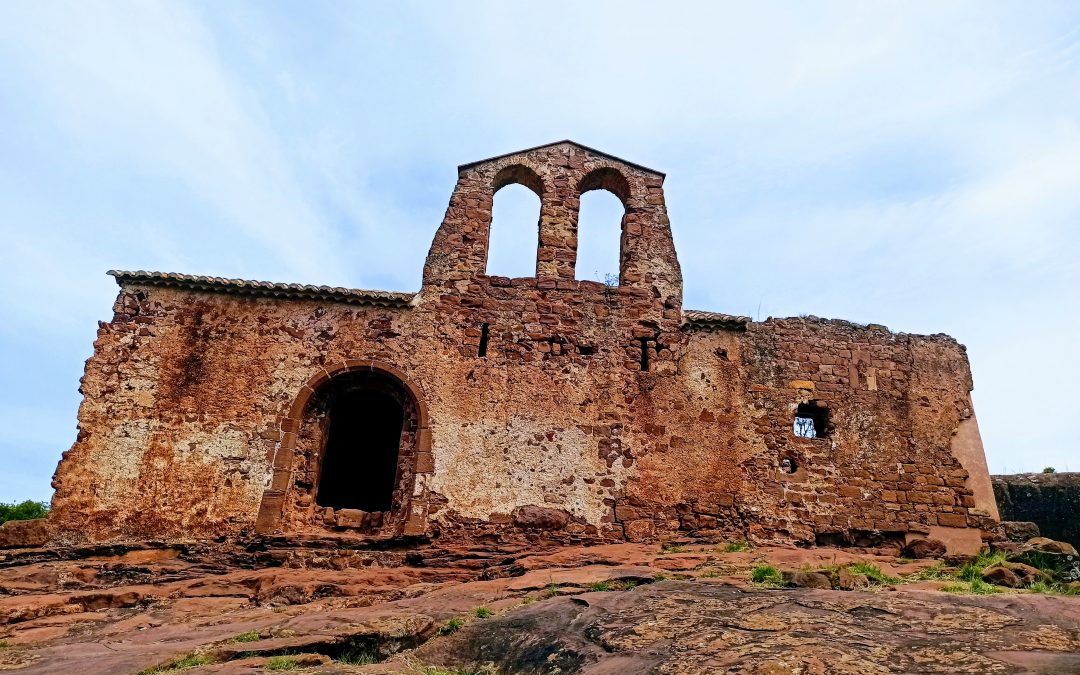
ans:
(912, 164)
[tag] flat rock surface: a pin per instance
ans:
(624, 608)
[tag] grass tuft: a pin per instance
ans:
(250, 636)
(973, 569)
(483, 612)
(873, 573)
(974, 587)
(600, 586)
(182, 663)
(936, 572)
(766, 574)
(282, 663)
(357, 657)
(659, 576)
(673, 548)
(736, 547)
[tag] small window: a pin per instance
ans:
(811, 421)
(788, 465)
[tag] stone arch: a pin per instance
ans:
(519, 174)
(606, 178)
(271, 508)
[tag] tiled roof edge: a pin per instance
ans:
(263, 288)
(693, 318)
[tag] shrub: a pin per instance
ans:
(659, 577)
(483, 612)
(600, 586)
(28, 510)
(451, 626)
(736, 547)
(766, 574)
(1050, 469)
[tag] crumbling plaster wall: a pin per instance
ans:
(188, 397)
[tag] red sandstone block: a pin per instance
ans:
(951, 520)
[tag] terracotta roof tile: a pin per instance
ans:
(263, 288)
(693, 318)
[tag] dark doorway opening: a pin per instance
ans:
(360, 460)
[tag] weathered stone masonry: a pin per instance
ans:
(542, 406)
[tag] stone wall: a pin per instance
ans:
(1050, 500)
(539, 405)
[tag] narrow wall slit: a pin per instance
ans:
(481, 351)
(644, 353)
(360, 461)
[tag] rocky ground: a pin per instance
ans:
(331, 606)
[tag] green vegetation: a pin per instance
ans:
(1052, 588)
(1049, 469)
(711, 573)
(673, 548)
(976, 587)
(766, 574)
(282, 663)
(659, 577)
(625, 585)
(250, 636)
(4, 645)
(182, 663)
(451, 626)
(873, 573)
(483, 612)
(736, 547)
(27, 510)
(528, 600)
(551, 591)
(357, 656)
(973, 569)
(936, 572)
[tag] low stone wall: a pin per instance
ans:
(1050, 500)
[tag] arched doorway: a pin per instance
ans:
(348, 455)
(365, 422)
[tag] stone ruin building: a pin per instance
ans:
(497, 408)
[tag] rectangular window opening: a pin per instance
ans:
(811, 421)
(482, 349)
